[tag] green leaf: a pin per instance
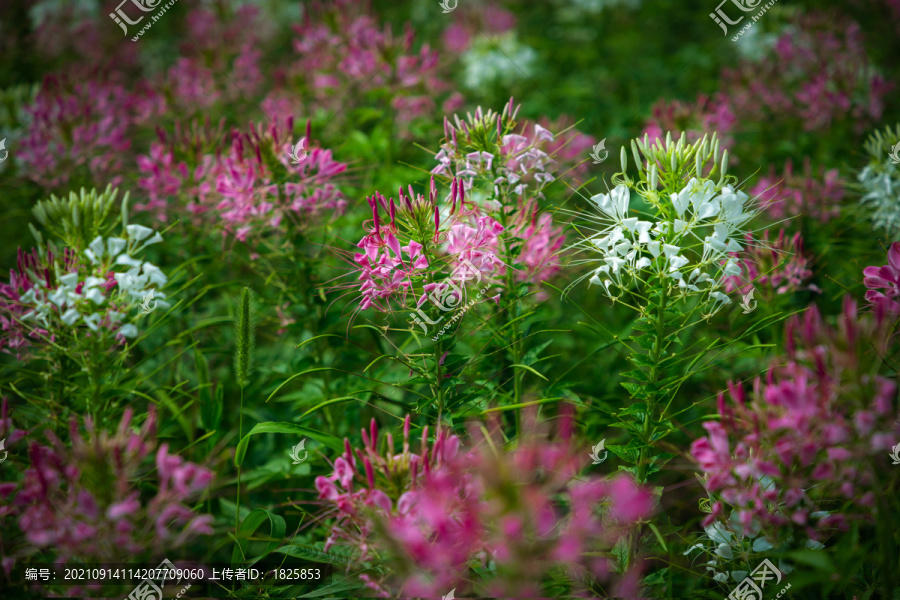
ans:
(642, 360)
(814, 558)
(280, 427)
(634, 389)
(657, 577)
(636, 374)
(249, 526)
(644, 341)
(314, 555)
(637, 407)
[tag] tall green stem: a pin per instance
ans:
(651, 387)
(237, 504)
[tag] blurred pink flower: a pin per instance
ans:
(884, 282)
(430, 516)
(780, 265)
(792, 194)
(81, 503)
(809, 432)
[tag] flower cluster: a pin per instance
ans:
(732, 550)
(817, 73)
(76, 131)
(464, 239)
(343, 53)
(880, 179)
(884, 282)
(780, 265)
(791, 194)
(807, 434)
(250, 187)
(686, 245)
(437, 514)
(81, 503)
(50, 294)
(485, 147)
(706, 114)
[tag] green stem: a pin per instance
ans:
(652, 394)
(237, 503)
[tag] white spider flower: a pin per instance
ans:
(87, 295)
(687, 242)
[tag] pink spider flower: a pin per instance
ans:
(818, 73)
(15, 335)
(81, 503)
(807, 433)
(78, 127)
(793, 194)
(487, 18)
(539, 243)
(884, 282)
(780, 265)
(234, 187)
(430, 516)
(343, 50)
(706, 115)
(498, 153)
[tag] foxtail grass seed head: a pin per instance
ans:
(245, 338)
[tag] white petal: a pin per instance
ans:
(95, 295)
(154, 275)
(138, 232)
(642, 263)
(128, 330)
(69, 279)
(58, 297)
(653, 247)
(669, 250)
(115, 245)
(96, 247)
(724, 550)
(70, 316)
(124, 259)
(92, 320)
(677, 262)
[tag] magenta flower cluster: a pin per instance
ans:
(343, 53)
(81, 501)
(77, 130)
(237, 187)
(791, 194)
(435, 513)
(884, 282)
(810, 432)
(780, 265)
